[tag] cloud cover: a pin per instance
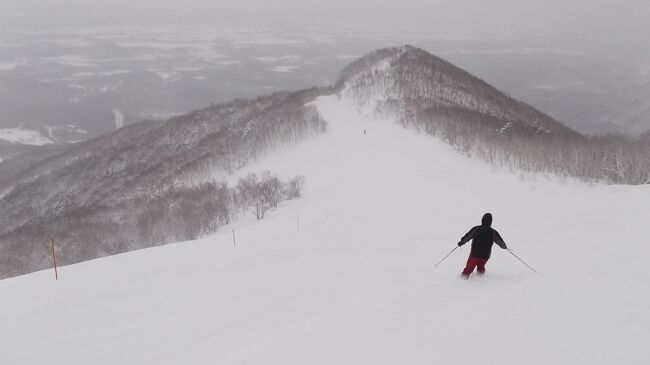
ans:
(597, 18)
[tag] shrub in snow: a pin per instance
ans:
(259, 194)
(294, 187)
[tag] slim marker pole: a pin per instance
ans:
(56, 273)
(234, 243)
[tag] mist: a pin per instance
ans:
(603, 19)
(584, 62)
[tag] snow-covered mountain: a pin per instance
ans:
(146, 183)
(108, 195)
(398, 78)
(346, 274)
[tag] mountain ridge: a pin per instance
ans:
(95, 195)
(428, 82)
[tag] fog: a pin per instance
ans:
(603, 19)
(584, 62)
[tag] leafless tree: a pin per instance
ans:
(295, 186)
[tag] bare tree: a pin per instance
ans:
(252, 195)
(259, 195)
(271, 188)
(295, 186)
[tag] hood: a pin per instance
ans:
(486, 220)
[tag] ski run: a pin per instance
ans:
(345, 275)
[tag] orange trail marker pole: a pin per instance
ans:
(56, 273)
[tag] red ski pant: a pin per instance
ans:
(475, 262)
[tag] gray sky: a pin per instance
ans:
(597, 18)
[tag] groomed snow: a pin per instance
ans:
(356, 283)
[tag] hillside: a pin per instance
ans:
(156, 182)
(399, 79)
(356, 283)
(99, 196)
(423, 92)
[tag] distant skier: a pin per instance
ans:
(482, 237)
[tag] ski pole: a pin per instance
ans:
(522, 261)
(443, 259)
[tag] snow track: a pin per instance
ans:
(356, 283)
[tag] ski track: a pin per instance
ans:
(356, 284)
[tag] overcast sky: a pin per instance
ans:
(597, 18)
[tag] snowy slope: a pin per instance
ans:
(355, 284)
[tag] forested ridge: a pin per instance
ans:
(431, 95)
(145, 184)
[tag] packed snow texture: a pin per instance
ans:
(346, 274)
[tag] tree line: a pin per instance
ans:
(612, 159)
(428, 94)
(137, 186)
(178, 214)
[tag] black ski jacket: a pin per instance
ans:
(483, 237)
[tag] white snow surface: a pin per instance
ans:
(287, 58)
(284, 69)
(118, 118)
(24, 136)
(356, 283)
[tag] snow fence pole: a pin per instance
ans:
(522, 261)
(443, 259)
(56, 273)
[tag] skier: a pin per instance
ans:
(482, 237)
